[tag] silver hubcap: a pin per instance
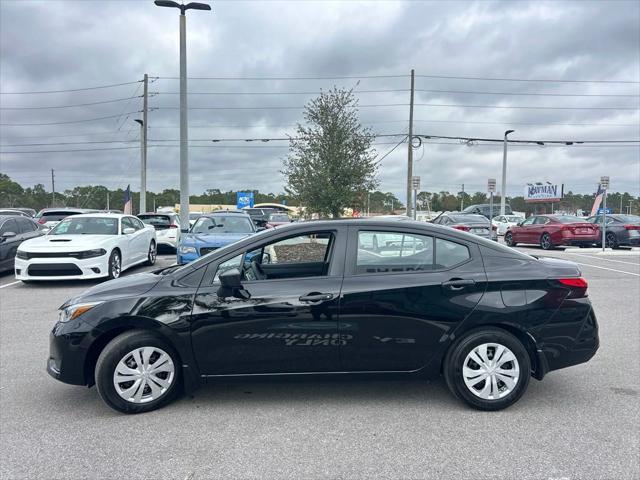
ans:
(611, 240)
(144, 375)
(491, 371)
(546, 242)
(115, 265)
(152, 253)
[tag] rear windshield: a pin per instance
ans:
(469, 219)
(513, 218)
(155, 219)
(223, 224)
(57, 216)
(278, 217)
(628, 218)
(86, 226)
(569, 219)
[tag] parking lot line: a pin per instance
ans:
(9, 284)
(603, 259)
(605, 268)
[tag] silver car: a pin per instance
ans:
(468, 222)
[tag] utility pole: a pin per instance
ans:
(503, 196)
(604, 183)
(462, 199)
(143, 166)
(53, 189)
(410, 147)
(108, 200)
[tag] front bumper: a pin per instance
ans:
(62, 268)
(67, 354)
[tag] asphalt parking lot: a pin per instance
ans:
(578, 423)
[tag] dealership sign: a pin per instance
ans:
(540, 192)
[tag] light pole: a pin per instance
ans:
(184, 152)
(143, 168)
(604, 184)
(503, 193)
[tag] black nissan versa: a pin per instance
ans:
(331, 297)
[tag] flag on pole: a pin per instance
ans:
(127, 200)
(598, 200)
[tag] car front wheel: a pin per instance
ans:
(137, 372)
(488, 369)
(115, 265)
(152, 254)
(508, 239)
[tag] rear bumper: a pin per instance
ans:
(576, 242)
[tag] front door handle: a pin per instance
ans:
(458, 284)
(316, 297)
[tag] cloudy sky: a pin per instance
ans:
(263, 60)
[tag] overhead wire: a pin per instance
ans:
(70, 89)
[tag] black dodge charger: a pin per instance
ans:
(343, 297)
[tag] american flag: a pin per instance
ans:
(127, 200)
(598, 200)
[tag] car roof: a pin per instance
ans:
(102, 215)
(226, 212)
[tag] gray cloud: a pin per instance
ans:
(49, 45)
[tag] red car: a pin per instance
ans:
(277, 219)
(550, 231)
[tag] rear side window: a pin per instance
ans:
(390, 252)
(312, 248)
(26, 226)
(449, 254)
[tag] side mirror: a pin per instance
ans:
(231, 286)
(128, 231)
(7, 235)
(260, 229)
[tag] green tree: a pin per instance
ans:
(330, 165)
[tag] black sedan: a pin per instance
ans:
(14, 229)
(358, 297)
(621, 231)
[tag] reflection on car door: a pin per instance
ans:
(288, 323)
(398, 306)
(8, 245)
(136, 245)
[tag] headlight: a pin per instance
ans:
(185, 250)
(22, 255)
(98, 252)
(74, 311)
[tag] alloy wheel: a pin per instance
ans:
(144, 375)
(491, 371)
(611, 240)
(545, 241)
(152, 253)
(115, 265)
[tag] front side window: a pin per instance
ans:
(127, 223)
(528, 221)
(86, 226)
(388, 252)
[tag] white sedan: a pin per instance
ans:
(504, 222)
(87, 246)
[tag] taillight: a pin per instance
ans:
(464, 228)
(632, 227)
(578, 286)
(574, 282)
(42, 221)
(494, 228)
(173, 226)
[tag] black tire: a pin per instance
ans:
(545, 242)
(152, 254)
(508, 239)
(611, 240)
(455, 361)
(117, 350)
(115, 258)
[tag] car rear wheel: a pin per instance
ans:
(152, 254)
(488, 369)
(115, 265)
(508, 239)
(137, 372)
(545, 242)
(612, 240)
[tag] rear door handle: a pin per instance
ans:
(316, 297)
(458, 284)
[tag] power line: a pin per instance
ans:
(498, 79)
(64, 123)
(471, 92)
(73, 105)
(277, 107)
(538, 142)
(279, 93)
(529, 107)
(71, 89)
(293, 77)
(529, 123)
(391, 150)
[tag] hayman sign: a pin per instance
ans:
(539, 192)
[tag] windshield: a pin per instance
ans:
(279, 217)
(86, 226)
(223, 224)
(569, 219)
(469, 218)
(194, 216)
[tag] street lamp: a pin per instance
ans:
(184, 153)
(503, 193)
(143, 168)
